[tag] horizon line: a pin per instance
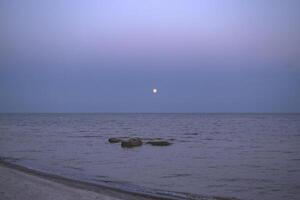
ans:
(149, 112)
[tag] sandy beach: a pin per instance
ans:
(20, 183)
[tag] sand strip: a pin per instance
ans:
(20, 183)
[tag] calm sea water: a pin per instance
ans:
(247, 156)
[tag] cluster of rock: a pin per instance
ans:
(135, 142)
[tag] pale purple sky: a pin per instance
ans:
(106, 56)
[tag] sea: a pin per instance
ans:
(242, 156)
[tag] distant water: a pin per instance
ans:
(247, 156)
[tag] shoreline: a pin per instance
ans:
(21, 183)
(18, 182)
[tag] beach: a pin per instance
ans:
(20, 183)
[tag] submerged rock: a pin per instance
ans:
(159, 143)
(114, 140)
(132, 142)
(127, 142)
(224, 198)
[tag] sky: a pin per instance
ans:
(108, 55)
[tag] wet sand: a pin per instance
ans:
(20, 183)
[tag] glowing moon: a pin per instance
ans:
(154, 90)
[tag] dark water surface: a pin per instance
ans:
(248, 156)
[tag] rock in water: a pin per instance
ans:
(132, 142)
(159, 143)
(114, 140)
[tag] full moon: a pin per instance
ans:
(154, 90)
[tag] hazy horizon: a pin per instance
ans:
(204, 113)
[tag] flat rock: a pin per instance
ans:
(114, 140)
(159, 143)
(132, 142)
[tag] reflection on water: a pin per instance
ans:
(248, 156)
